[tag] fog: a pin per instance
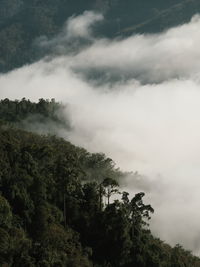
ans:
(138, 101)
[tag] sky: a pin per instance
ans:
(136, 99)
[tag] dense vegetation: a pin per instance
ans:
(56, 208)
(23, 21)
(56, 199)
(43, 117)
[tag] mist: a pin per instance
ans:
(138, 101)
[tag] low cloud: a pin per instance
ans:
(145, 114)
(76, 33)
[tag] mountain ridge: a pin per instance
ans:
(22, 22)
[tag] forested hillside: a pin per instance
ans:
(22, 22)
(56, 208)
(60, 205)
(43, 117)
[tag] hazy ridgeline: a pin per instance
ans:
(22, 22)
(143, 112)
(131, 95)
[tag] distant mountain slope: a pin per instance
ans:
(21, 22)
(175, 15)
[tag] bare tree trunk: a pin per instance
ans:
(100, 197)
(109, 194)
(64, 210)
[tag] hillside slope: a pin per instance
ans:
(55, 208)
(21, 22)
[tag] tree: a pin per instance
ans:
(110, 187)
(5, 213)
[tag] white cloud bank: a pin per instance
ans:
(148, 121)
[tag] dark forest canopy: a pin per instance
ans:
(55, 207)
(23, 21)
(45, 116)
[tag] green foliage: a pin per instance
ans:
(42, 117)
(5, 213)
(52, 211)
